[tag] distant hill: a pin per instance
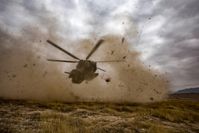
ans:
(186, 94)
(188, 90)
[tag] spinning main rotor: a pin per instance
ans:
(97, 45)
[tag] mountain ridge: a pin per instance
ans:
(188, 90)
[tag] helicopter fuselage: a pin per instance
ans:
(85, 70)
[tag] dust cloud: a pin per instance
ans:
(26, 74)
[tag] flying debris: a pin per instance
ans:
(108, 80)
(14, 75)
(124, 57)
(151, 98)
(85, 69)
(123, 39)
(112, 52)
(25, 65)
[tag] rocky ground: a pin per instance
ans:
(19, 116)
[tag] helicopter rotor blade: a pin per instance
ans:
(101, 69)
(67, 61)
(95, 48)
(67, 73)
(63, 50)
(110, 61)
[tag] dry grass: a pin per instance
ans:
(59, 123)
(172, 116)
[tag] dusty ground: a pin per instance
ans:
(28, 116)
(186, 96)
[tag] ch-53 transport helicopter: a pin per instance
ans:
(85, 69)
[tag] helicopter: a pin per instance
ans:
(85, 68)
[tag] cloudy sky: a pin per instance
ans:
(166, 32)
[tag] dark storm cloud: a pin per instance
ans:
(168, 29)
(178, 54)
